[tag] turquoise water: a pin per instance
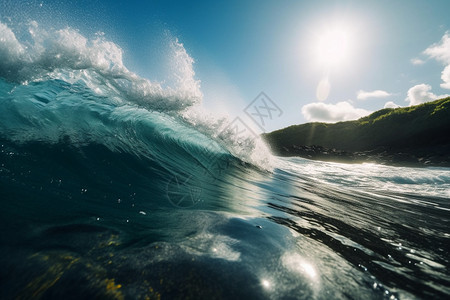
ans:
(116, 187)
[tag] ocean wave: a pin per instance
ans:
(66, 54)
(58, 83)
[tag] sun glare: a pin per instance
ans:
(333, 46)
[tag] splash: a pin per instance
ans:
(66, 54)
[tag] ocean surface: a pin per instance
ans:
(113, 186)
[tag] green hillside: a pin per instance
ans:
(419, 130)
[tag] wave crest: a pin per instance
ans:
(54, 74)
(66, 54)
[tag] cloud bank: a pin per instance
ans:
(341, 111)
(363, 95)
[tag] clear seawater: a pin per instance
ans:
(115, 187)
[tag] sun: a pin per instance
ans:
(333, 46)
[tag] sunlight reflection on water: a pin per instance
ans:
(294, 262)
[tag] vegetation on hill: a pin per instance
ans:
(421, 131)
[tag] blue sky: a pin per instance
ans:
(365, 53)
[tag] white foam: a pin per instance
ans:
(11, 51)
(68, 55)
(433, 182)
(246, 145)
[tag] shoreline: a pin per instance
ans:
(381, 156)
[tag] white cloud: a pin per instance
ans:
(446, 78)
(341, 111)
(421, 93)
(391, 104)
(363, 95)
(417, 61)
(441, 52)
